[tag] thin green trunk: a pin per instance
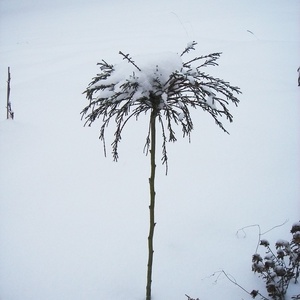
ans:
(152, 204)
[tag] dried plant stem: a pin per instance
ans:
(9, 112)
(260, 234)
(152, 203)
(232, 280)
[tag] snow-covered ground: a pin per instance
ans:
(74, 224)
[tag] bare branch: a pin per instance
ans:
(9, 112)
(253, 293)
(260, 234)
(126, 56)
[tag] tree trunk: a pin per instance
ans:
(152, 204)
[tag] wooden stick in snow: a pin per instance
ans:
(9, 112)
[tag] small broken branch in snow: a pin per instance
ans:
(126, 56)
(252, 34)
(260, 234)
(253, 293)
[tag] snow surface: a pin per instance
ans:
(73, 224)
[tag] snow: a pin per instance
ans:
(296, 224)
(160, 64)
(143, 70)
(281, 243)
(73, 224)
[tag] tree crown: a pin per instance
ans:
(163, 83)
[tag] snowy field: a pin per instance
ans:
(74, 224)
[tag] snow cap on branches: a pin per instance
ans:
(163, 83)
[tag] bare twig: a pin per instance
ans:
(253, 293)
(126, 56)
(9, 112)
(189, 298)
(252, 34)
(260, 234)
(180, 23)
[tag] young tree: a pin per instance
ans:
(166, 87)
